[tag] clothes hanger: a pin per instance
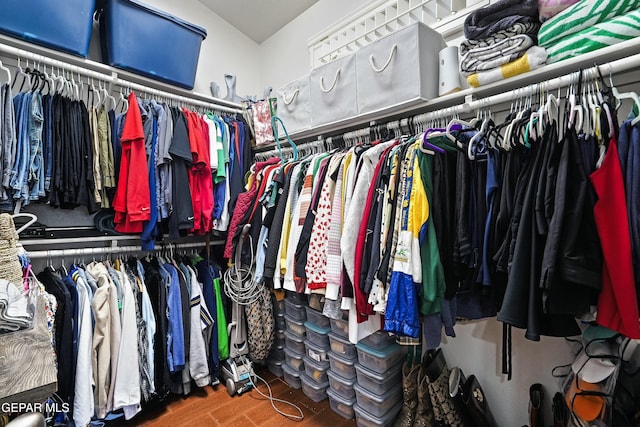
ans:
(34, 78)
(63, 267)
(47, 80)
(519, 126)
(535, 118)
(457, 121)
(624, 95)
(428, 148)
(274, 125)
(574, 108)
(89, 99)
(97, 101)
(32, 219)
(477, 139)
(122, 100)
(552, 104)
(603, 97)
(25, 78)
(7, 72)
(110, 101)
(70, 93)
(60, 83)
(519, 110)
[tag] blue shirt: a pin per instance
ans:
(175, 338)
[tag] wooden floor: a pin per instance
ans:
(214, 407)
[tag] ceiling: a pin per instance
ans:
(258, 19)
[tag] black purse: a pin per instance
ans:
(469, 394)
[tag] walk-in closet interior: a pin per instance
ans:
(323, 213)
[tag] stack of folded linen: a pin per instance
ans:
(501, 42)
(589, 25)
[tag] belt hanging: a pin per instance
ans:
(507, 368)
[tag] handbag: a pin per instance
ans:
(262, 122)
(471, 399)
(447, 411)
(260, 325)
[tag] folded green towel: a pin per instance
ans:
(581, 16)
(608, 33)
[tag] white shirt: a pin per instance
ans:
(83, 404)
(127, 387)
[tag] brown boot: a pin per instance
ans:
(409, 396)
(536, 400)
(424, 413)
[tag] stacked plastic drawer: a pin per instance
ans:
(315, 380)
(294, 337)
(342, 375)
(378, 388)
(275, 361)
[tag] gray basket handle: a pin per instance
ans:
(333, 85)
(384, 67)
(293, 97)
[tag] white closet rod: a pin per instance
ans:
(614, 67)
(62, 253)
(179, 98)
(112, 79)
(74, 69)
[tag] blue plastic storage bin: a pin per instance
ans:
(139, 38)
(62, 25)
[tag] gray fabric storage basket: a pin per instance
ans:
(294, 105)
(333, 91)
(400, 67)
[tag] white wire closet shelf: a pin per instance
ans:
(24, 51)
(383, 17)
(622, 57)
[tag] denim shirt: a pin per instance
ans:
(175, 339)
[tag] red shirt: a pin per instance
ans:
(617, 304)
(132, 202)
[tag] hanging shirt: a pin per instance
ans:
(127, 383)
(182, 216)
(83, 403)
(175, 338)
(198, 364)
(401, 315)
(617, 304)
(316, 266)
(334, 256)
(132, 201)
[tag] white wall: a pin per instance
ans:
(285, 55)
(477, 350)
(225, 50)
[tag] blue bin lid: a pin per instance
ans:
(191, 27)
(317, 329)
(381, 353)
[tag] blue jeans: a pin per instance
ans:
(34, 183)
(48, 144)
(22, 106)
(8, 137)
